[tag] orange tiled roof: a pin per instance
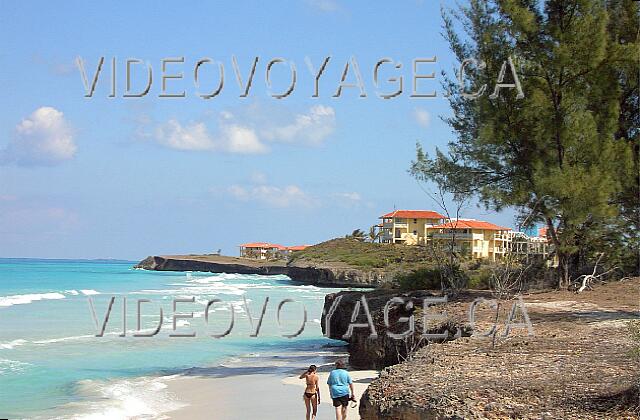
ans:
(413, 214)
(262, 245)
(297, 247)
(469, 224)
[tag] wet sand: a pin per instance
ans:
(255, 396)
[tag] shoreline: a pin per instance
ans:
(263, 396)
(205, 393)
(261, 386)
(328, 274)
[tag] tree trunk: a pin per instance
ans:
(564, 272)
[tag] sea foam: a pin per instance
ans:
(89, 292)
(28, 298)
(143, 397)
(12, 344)
(12, 366)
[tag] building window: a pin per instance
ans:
(415, 232)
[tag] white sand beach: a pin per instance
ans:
(255, 396)
(361, 379)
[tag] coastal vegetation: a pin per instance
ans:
(428, 278)
(491, 368)
(366, 255)
(421, 267)
(357, 234)
(564, 151)
(576, 365)
(559, 142)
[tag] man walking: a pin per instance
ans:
(341, 389)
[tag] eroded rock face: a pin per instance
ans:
(580, 342)
(370, 410)
(367, 351)
(308, 274)
(179, 264)
(337, 276)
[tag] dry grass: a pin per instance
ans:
(577, 365)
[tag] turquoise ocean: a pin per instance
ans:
(52, 365)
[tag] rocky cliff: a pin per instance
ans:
(376, 352)
(332, 275)
(576, 365)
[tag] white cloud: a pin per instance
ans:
(239, 139)
(191, 137)
(311, 127)
(349, 200)
(239, 192)
(196, 137)
(260, 191)
(422, 117)
(324, 5)
(273, 196)
(43, 138)
(351, 196)
(244, 134)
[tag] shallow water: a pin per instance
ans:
(52, 364)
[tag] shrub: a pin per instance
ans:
(423, 278)
(480, 278)
(432, 278)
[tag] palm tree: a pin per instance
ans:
(374, 233)
(357, 234)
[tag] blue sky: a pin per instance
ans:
(127, 177)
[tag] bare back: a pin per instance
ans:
(312, 383)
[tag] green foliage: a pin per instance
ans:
(374, 234)
(432, 278)
(357, 234)
(420, 279)
(367, 255)
(565, 155)
(624, 33)
(480, 278)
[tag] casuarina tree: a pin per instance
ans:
(544, 118)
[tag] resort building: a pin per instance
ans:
(483, 240)
(297, 248)
(408, 227)
(474, 238)
(268, 251)
(261, 250)
(520, 243)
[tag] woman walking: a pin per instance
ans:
(312, 392)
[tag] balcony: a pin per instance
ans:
(458, 236)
